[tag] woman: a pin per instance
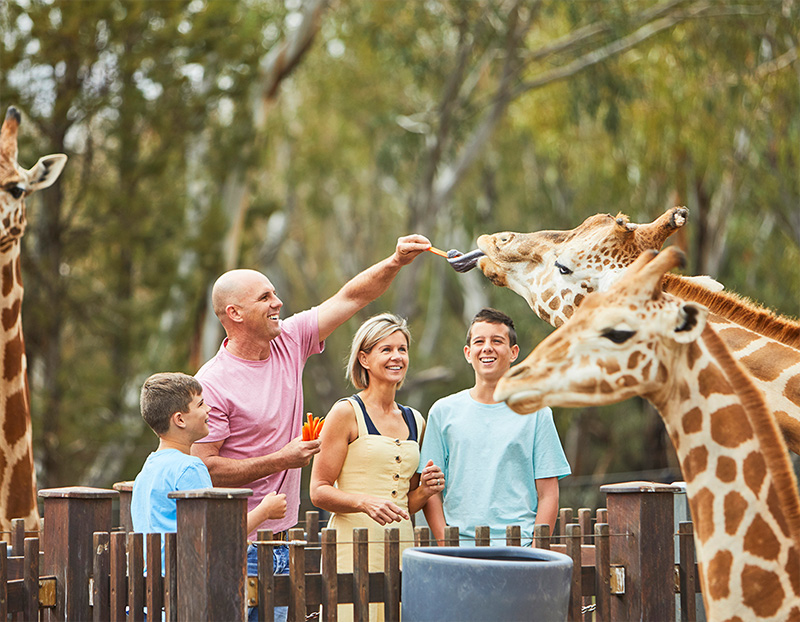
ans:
(365, 472)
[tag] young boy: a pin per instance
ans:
(500, 468)
(172, 405)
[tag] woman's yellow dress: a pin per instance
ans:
(383, 467)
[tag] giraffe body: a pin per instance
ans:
(17, 475)
(555, 270)
(636, 340)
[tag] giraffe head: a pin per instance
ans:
(16, 183)
(554, 270)
(619, 343)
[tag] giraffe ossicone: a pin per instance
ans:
(17, 474)
(635, 339)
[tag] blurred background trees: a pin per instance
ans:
(302, 138)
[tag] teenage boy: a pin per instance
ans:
(172, 405)
(500, 468)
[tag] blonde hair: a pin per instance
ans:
(368, 334)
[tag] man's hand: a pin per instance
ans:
(409, 246)
(298, 453)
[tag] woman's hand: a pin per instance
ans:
(382, 511)
(431, 479)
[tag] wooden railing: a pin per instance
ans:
(623, 562)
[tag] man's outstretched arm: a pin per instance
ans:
(366, 286)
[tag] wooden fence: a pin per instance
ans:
(624, 564)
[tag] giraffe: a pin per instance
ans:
(635, 339)
(17, 475)
(555, 270)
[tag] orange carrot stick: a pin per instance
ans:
(436, 251)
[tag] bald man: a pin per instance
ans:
(254, 382)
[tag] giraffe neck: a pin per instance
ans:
(17, 475)
(736, 309)
(741, 489)
(767, 345)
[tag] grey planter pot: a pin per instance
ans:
(499, 584)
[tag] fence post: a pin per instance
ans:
(212, 552)
(72, 515)
(640, 517)
(125, 490)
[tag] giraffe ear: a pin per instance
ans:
(46, 171)
(690, 322)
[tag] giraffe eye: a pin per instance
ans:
(618, 336)
(15, 191)
(563, 269)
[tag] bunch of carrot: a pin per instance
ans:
(312, 427)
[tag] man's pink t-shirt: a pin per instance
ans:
(257, 406)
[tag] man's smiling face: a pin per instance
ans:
(490, 351)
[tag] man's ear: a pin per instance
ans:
(233, 313)
(690, 321)
(514, 352)
(466, 354)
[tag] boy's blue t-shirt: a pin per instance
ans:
(491, 458)
(163, 472)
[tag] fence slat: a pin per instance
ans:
(3, 580)
(687, 572)
(541, 536)
(391, 575)
(18, 537)
(297, 575)
(564, 519)
(31, 548)
(602, 561)
(585, 521)
(573, 550)
(171, 577)
(422, 536)
(513, 535)
(118, 578)
(101, 569)
(361, 574)
(155, 585)
(451, 537)
(135, 577)
(312, 527)
(483, 535)
(330, 583)
(266, 576)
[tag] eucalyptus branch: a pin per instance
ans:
(612, 49)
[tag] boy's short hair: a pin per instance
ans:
(493, 316)
(370, 333)
(164, 394)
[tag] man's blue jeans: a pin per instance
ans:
(280, 565)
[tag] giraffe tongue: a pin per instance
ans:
(462, 262)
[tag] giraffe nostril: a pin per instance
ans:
(515, 372)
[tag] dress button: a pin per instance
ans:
(396, 476)
(394, 493)
(397, 459)
(397, 442)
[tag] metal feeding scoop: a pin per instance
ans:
(458, 260)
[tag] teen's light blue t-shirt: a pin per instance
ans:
(163, 472)
(491, 458)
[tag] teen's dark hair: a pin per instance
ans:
(493, 316)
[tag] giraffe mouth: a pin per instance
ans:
(464, 262)
(521, 402)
